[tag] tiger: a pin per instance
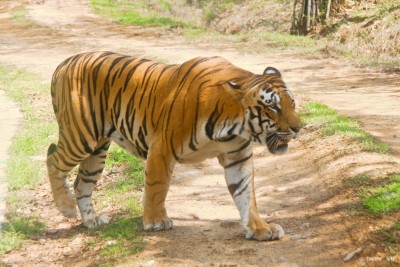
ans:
(165, 114)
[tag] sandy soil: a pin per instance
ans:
(306, 191)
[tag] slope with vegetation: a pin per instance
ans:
(366, 33)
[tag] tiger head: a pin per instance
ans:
(269, 110)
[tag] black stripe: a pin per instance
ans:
(234, 187)
(93, 173)
(245, 145)
(84, 196)
(172, 146)
(104, 147)
(88, 180)
(142, 138)
(212, 120)
(238, 162)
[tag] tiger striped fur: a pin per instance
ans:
(203, 108)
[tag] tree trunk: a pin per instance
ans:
(308, 15)
(328, 8)
(294, 29)
(306, 18)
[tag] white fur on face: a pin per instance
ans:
(270, 98)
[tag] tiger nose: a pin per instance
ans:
(296, 127)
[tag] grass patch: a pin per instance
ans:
(26, 89)
(142, 13)
(26, 169)
(158, 13)
(19, 14)
(391, 234)
(25, 165)
(133, 167)
(383, 199)
(17, 230)
(122, 237)
(332, 123)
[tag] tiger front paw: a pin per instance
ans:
(158, 225)
(96, 221)
(267, 232)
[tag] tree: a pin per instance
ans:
(310, 13)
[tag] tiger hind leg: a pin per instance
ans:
(58, 167)
(90, 171)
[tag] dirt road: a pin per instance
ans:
(302, 190)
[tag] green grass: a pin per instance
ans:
(23, 171)
(383, 199)
(26, 169)
(391, 234)
(18, 230)
(133, 167)
(333, 123)
(123, 235)
(19, 13)
(142, 13)
(152, 13)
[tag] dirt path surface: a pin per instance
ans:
(303, 190)
(11, 120)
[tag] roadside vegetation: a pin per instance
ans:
(375, 196)
(25, 173)
(24, 168)
(379, 198)
(332, 123)
(365, 33)
(201, 25)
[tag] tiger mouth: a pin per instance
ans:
(277, 144)
(282, 147)
(283, 142)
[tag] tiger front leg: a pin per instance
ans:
(157, 181)
(239, 178)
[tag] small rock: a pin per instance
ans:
(288, 231)
(111, 243)
(194, 216)
(295, 237)
(150, 263)
(228, 224)
(350, 255)
(279, 166)
(281, 259)
(51, 231)
(76, 242)
(67, 251)
(246, 250)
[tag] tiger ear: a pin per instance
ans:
(272, 72)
